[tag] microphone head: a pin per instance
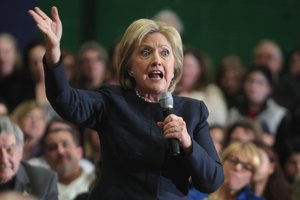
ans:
(166, 100)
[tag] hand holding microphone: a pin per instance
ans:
(174, 127)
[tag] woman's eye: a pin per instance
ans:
(165, 52)
(145, 52)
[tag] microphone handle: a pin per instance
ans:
(173, 143)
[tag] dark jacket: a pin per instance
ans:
(135, 163)
(36, 181)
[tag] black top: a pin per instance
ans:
(135, 160)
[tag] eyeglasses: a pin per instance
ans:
(235, 161)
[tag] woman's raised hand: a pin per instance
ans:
(52, 31)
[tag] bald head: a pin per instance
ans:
(267, 53)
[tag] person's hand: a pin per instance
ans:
(52, 31)
(175, 127)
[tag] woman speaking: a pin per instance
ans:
(135, 130)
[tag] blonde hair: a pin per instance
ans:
(24, 108)
(246, 150)
(133, 37)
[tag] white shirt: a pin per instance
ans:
(76, 187)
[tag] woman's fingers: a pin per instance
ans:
(37, 18)
(55, 15)
(41, 13)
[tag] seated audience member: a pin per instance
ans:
(32, 119)
(267, 53)
(217, 134)
(55, 124)
(112, 70)
(33, 63)
(243, 130)
(63, 153)
(92, 60)
(291, 159)
(287, 93)
(70, 66)
(14, 86)
(258, 105)
(230, 76)
(241, 160)
(170, 17)
(269, 180)
(195, 84)
(19, 176)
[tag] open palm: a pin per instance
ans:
(51, 29)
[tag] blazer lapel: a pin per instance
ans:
(22, 183)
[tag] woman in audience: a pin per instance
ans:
(33, 62)
(241, 160)
(258, 105)
(32, 119)
(14, 87)
(194, 83)
(269, 180)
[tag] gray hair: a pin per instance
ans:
(8, 127)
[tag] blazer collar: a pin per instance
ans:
(22, 182)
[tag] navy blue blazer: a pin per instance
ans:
(36, 181)
(136, 164)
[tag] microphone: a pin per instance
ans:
(166, 103)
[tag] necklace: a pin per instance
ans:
(140, 96)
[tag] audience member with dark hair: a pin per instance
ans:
(269, 180)
(243, 130)
(290, 160)
(63, 153)
(195, 84)
(229, 77)
(287, 91)
(259, 105)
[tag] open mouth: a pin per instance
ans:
(156, 74)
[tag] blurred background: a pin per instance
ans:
(218, 27)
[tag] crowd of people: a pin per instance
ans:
(253, 121)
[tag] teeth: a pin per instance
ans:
(155, 73)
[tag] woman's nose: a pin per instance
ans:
(156, 60)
